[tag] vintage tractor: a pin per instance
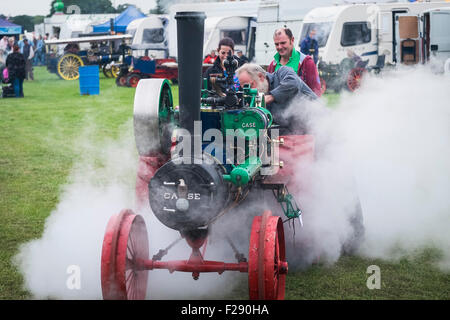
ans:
(190, 183)
(348, 74)
(86, 50)
(134, 69)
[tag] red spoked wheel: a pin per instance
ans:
(125, 244)
(267, 266)
(323, 85)
(133, 80)
(121, 81)
(354, 78)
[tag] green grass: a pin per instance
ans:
(332, 99)
(36, 156)
(413, 278)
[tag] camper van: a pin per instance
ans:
(380, 33)
(234, 19)
(274, 14)
(436, 37)
(241, 29)
(150, 36)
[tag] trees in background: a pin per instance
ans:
(27, 22)
(86, 6)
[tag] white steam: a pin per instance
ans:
(388, 143)
(101, 184)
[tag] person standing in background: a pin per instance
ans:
(21, 43)
(10, 45)
(3, 46)
(15, 62)
(28, 54)
(39, 54)
(210, 58)
(4, 43)
(243, 59)
(2, 58)
(33, 44)
(310, 46)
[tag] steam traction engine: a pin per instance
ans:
(190, 185)
(96, 50)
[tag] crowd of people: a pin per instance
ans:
(17, 58)
(36, 43)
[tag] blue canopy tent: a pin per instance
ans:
(8, 28)
(121, 21)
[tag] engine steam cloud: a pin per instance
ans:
(98, 187)
(65, 262)
(388, 145)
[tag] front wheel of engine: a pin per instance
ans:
(267, 266)
(125, 244)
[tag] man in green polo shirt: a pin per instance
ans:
(302, 64)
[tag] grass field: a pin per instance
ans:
(36, 158)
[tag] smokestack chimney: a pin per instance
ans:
(190, 33)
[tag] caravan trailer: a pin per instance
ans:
(239, 28)
(150, 37)
(235, 19)
(274, 14)
(374, 31)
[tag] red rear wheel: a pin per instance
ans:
(354, 78)
(121, 81)
(133, 80)
(125, 244)
(267, 266)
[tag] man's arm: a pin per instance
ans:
(312, 76)
(268, 99)
(287, 86)
(271, 67)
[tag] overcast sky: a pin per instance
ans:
(42, 7)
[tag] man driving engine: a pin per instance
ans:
(281, 88)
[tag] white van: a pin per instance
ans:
(381, 33)
(436, 36)
(150, 36)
